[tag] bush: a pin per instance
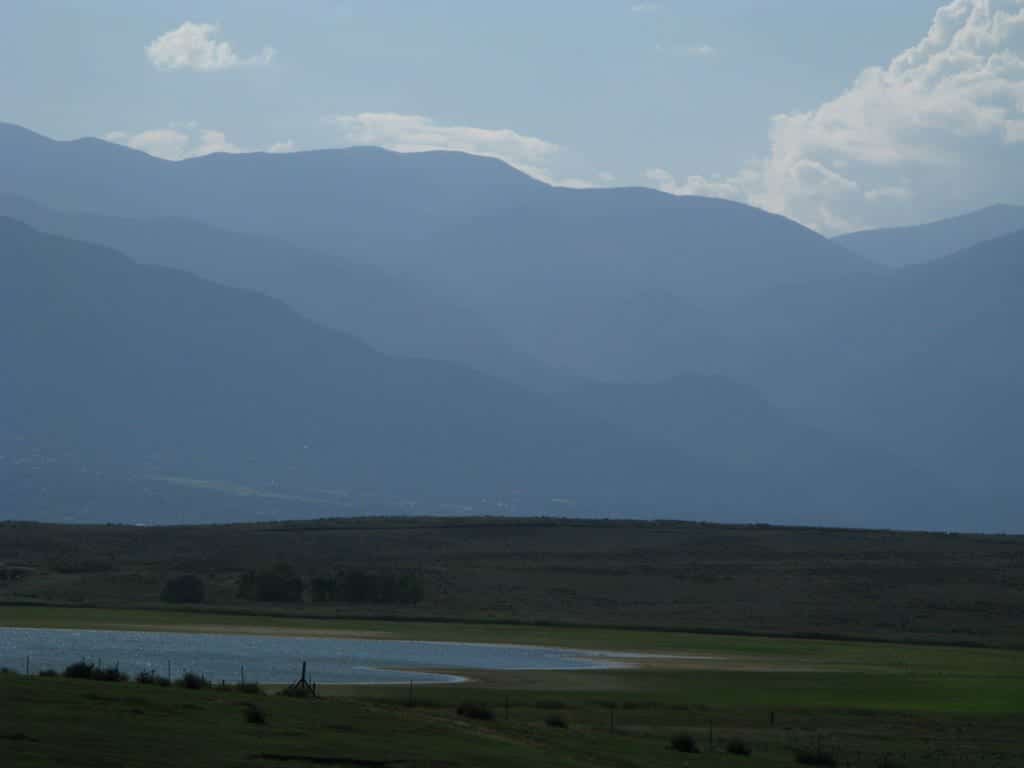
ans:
(816, 757)
(255, 715)
(83, 670)
(738, 747)
(253, 688)
(476, 710)
(277, 584)
(192, 681)
(48, 673)
(556, 721)
(358, 586)
(889, 762)
(80, 669)
(323, 589)
(149, 677)
(684, 742)
(184, 589)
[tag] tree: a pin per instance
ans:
(184, 589)
(278, 584)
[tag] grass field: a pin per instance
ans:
(964, 589)
(611, 719)
(934, 677)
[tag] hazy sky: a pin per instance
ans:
(839, 114)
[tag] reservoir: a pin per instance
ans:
(278, 659)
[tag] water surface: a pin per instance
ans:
(278, 659)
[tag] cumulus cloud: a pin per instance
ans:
(281, 147)
(938, 126)
(700, 50)
(180, 141)
(416, 133)
(194, 46)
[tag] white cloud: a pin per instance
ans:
(168, 143)
(415, 133)
(940, 125)
(646, 7)
(193, 46)
(697, 51)
(701, 50)
(182, 140)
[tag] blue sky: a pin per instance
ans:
(839, 114)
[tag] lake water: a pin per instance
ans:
(278, 659)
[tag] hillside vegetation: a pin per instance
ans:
(747, 579)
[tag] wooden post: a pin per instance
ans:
(303, 678)
(410, 693)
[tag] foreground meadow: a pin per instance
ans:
(780, 700)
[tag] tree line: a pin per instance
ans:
(281, 583)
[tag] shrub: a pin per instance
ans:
(253, 688)
(184, 589)
(556, 721)
(48, 673)
(83, 670)
(684, 742)
(323, 589)
(476, 710)
(738, 747)
(149, 677)
(819, 757)
(255, 715)
(277, 584)
(192, 681)
(358, 586)
(80, 669)
(889, 762)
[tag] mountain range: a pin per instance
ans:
(900, 246)
(359, 323)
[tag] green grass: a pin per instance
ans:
(54, 721)
(945, 661)
(924, 705)
(877, 585)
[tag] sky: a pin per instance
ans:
(841, 115)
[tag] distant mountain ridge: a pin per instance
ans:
(163, 373)
(924, 360)
(683, 353)
(395, 315)
(902, 246)
(525, 256)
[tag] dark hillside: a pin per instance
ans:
(877, 584)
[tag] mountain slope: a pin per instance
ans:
(395, 315)
(731, 425)
(152, 367)
(539, 264)
(925, 360)
(117, 364)
(900, 246)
